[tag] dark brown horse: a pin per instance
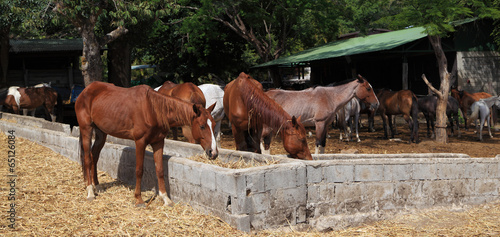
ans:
(249, 110)
(140, 114)
(466, 99)
(399, 102)
(20, 98)
(317, 106)
(188, 92)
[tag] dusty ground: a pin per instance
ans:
(373, 142)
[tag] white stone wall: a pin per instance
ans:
(479, 72)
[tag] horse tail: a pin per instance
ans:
(474, 112)
(82, 157)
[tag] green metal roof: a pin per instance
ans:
(371, 43)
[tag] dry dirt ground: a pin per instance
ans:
(373, 142)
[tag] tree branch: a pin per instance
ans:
(438, 93)
(114, 35)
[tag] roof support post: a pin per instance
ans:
(405, 73)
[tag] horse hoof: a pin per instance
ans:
(90, 199)
(140, 205)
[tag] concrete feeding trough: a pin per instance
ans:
(332, 191)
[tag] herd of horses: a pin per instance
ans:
(147, 115)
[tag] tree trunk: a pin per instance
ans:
(4, 54)
(119, 72)
(441, 119)
(91, 57)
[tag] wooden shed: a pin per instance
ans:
(54, 61)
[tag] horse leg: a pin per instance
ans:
(455, 116)
(356, 121)
(158, 158)
(385, 120)
(410, 124)
(218, 132)
(100, 140)
(433, 135)
(266, 141)
(239, 139)
(371, 121)
(321, 130)
(488, 118)
(392, 126)
(86, 159)
(140, 147)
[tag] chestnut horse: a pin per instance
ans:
(399, 102)
(466, 99)
(140, 114)
(317, 106)
(249, 110)
(30, 98)
(188, 92)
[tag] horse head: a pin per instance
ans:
(202, 127)
(294, 139)
(365, 93)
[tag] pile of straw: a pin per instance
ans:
(235, 164)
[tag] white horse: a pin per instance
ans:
(215, 94)
(482, 109)
(344, 115)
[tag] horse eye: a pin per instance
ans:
(202, 127)
(369, 89)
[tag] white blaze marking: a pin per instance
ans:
(14, 92)
(214, 142)
(157, 88)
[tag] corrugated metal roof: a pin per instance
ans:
(371, 43)
(45, 45)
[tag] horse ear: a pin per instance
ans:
(211, 107)
(360, 78)
(196, 110)
(294, 121)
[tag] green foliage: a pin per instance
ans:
(435, 16)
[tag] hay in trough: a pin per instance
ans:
(50, 201)
(234, 164)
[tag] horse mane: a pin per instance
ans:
(163, 106)
(261, 108)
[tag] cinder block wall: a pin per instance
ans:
(333, 190)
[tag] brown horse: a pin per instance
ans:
(399, 102)
(188, 92)
(20, 98)
(317, 106)
(140, 114)
(466, 99)
(249, 110)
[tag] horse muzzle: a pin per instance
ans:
(374, 106)
(212, 155)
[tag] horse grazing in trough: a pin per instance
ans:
(250, 111)
(317, 106)
(188, 92)
(466, 99)
(214, 94)
(482, 109)
(348, 118)
(30, 98)
(399, 102)
(427, 105)
(140, 114)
